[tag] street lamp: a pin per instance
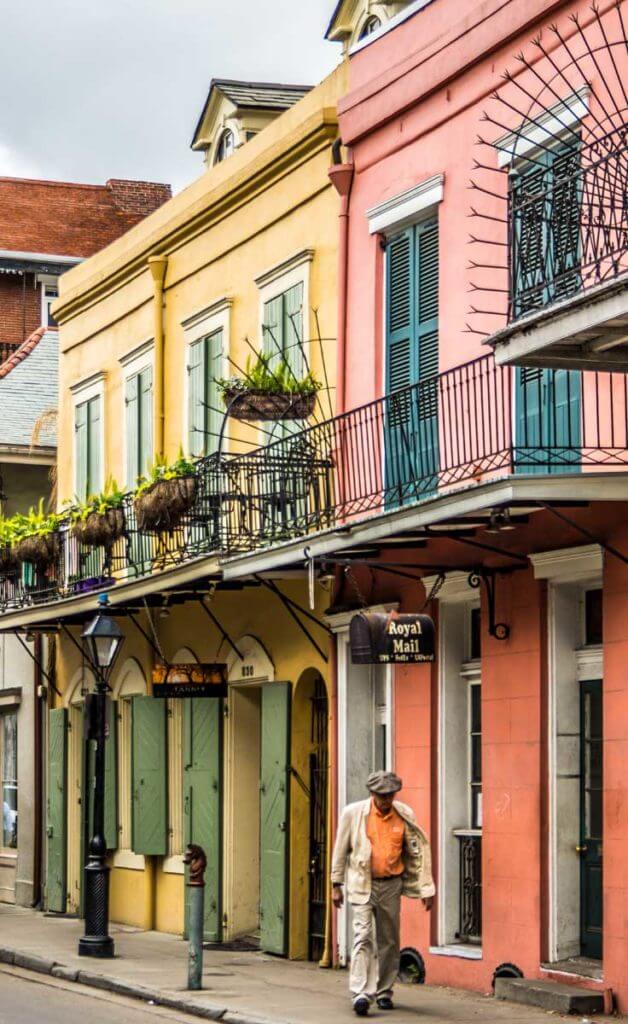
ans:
(103, 639)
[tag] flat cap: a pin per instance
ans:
(383, 782)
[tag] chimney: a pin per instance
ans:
(139, 197)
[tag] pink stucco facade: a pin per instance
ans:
(414, 113)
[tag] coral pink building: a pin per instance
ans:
(482, 178)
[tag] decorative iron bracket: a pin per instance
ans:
(498, 630)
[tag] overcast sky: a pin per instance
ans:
(94, 90)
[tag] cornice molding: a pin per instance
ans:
(455, 589)
(569, 565)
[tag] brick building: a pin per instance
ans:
(48, 226)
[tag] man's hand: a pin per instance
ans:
(337, 896)
(428, 902)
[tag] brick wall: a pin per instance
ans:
(20, 308)
(141, 197)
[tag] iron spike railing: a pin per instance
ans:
(471, 424)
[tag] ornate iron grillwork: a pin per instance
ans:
(552, 185)
(470, 929)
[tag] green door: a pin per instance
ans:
(411, 416)
(202, 800)
(274, 815)
(56, 825)
(591, 818)
(149, 771)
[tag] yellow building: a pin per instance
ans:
(242, 261)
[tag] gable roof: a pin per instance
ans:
(29, 385)
(68, 219)
(251, 96)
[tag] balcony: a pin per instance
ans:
(469, 430)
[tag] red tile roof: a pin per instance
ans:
(22, 352)
(64, 219)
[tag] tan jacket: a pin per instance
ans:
(352, 854)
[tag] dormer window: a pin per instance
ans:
(370, 25)
(226, 146)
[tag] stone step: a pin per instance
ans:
(549, 995)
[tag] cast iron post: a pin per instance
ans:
(96, 941)
(197, 862)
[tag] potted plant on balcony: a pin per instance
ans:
(100, 521)
(269, 392)
(165, 495)
(36, 536)
(8, 560)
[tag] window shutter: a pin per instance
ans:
(293, 329)
(94, 479)
(56, 884)
(275, 824)
(145, 399)
(273, 331)
(529, 195)
(400, 340)
(149, 772)
(131, 427)
(196, 397)
(202, 789)
(213, 415)
(111, 778)
(80, 451)
(565, 221)
(427, 314)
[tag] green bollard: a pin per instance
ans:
(197, 862)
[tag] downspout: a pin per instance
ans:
(341, 176)
(38, 774)
(157, 266)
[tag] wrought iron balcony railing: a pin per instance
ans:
(470, 914)
(471, 424)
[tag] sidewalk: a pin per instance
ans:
(240, 988)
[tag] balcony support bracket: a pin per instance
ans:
(498, 630)
(36, 660)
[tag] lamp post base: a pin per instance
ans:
(96, 946)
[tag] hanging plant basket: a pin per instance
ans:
(8, 561)
(100, 529)
(162, 506)
(39, 550)
(252, 406)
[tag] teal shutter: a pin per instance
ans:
(145, 387)
(202, 800)
(149, 825)
(56, 826)
(548, 428)
(274, 813)
(80, 451)
(213, 400)
(273, 331)
(196, 389)
(426, 432)
(94, 479)
(131, 402)
(293, 330)
(111, 778)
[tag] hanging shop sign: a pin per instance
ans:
(388, 638)
(190, 680)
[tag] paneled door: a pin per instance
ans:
(591, 818)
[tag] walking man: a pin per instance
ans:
(382, 855)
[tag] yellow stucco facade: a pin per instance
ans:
(257, 223)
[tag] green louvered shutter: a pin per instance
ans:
(273, 331)
(149, 768)
(131, 403)
(80, 451)
(565, 217)
(213, 400)
(56, 825)
(202, 798)
(293, 329)
(196, 388)
(426, 429)
(111, 778)
(530, 236)
(274, 812)
(94, 426)
(401, 364)
(145, 456)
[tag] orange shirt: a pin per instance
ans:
(386, 833)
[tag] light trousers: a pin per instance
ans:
(375, 953)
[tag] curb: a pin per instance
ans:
(41, 965)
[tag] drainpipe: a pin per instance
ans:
(38, 773)
(341, 176)
(157, 266)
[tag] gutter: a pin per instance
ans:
(341, 176)
(157, 266)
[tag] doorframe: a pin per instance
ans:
(82, 680)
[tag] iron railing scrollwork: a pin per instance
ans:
(470, 920)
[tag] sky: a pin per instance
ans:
(98, 89)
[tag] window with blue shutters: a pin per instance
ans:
(412, 362)
(205, 412)
(87, 447)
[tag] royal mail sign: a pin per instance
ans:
(380, 638)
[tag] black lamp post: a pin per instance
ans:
(103, 640)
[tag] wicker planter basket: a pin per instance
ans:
(162, 507)
(100, 529)
(8, 561)
(39, 551)
(252, 406)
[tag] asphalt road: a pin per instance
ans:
(33, 999)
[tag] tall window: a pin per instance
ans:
(138, 402)
(225, 147)
(88, 440)
(475, 752)
(8, 764)
(204, 403)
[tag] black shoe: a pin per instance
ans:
(361, 1006)
(385, 1003)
